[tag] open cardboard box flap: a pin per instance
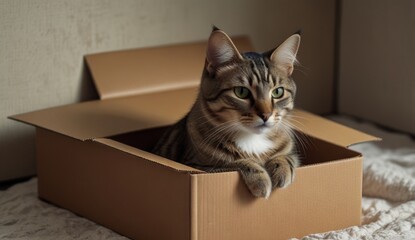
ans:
(132, 72)
(103, 118)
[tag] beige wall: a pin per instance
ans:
(42, 43)
(377, 62)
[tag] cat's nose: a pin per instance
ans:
(265, 116)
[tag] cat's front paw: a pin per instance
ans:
(281, 171)
(258, 182)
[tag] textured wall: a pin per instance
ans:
(377, 74)
(42, 43)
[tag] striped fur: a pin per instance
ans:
(225, 132)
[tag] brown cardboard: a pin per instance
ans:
(121, 73)
(93, 159)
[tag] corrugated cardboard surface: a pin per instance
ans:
(140, 196)
(226, 210)
(137, 198)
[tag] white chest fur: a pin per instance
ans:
(254, 144)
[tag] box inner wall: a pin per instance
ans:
(311, 150)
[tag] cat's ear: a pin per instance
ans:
(220, 50)
(284, 56)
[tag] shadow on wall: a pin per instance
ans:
(87, 90)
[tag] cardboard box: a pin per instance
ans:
(92, 159)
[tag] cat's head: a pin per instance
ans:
(253, 91)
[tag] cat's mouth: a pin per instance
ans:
(262, 127)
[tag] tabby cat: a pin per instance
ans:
(238, 121)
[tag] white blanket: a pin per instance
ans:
(388, 203)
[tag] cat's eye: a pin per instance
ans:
(278, 93)
(241, 92)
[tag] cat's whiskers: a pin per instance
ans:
(302, 139)
(293, 119)
(225, 138)
(218, 130)
(305, 139)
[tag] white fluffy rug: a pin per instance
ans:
(388, 204)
